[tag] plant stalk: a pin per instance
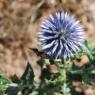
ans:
(65, 85)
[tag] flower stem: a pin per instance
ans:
(64, 75)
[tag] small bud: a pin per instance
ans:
(53, 68)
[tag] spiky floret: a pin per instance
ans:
(61, 35)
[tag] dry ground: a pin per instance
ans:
(20, 21)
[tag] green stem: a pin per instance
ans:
(64, 69)
(65, 85)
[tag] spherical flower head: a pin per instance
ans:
(61, 36)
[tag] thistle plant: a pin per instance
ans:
(61, 37)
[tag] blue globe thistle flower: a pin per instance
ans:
(61, 35)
